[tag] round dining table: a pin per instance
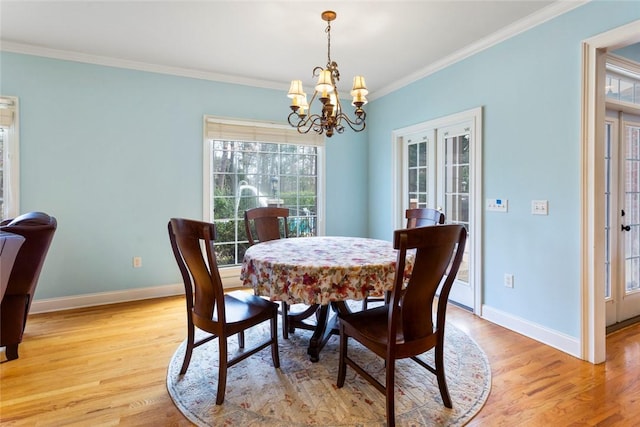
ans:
(322, 270)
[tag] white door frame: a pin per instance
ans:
(473, 115)
(593, 332)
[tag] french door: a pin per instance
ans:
(438, 172)
(622, 253)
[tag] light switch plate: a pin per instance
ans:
(508, 280)
(539, 207)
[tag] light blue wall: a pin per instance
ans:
(114, 153)
(346, 182)
(631, 52)
(529, 88)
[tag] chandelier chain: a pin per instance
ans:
(328, 31)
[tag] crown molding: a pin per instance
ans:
(65, 55)
(546, 14)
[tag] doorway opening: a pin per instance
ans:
(622, 188)
(593, 242)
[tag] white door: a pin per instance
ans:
(453, 193)
(622, 289)
(437, 173)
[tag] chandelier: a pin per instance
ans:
(331, 119)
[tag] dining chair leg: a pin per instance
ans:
(241, 339)
(189, 350)
(342, 365)
(222, 369)
(440, 374)
(11, 351)
(389, 392)
(275, 354)
(285, 320)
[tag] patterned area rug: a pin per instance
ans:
(302, 393)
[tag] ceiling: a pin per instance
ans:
(268, 43)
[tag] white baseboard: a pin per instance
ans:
(102, 298)
(89, 300)
(550, 337)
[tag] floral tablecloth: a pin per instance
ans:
(320, 270)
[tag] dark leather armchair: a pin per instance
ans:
(37, 228)
(9, 246)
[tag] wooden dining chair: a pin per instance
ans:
(420, 217)
(416, 217)
(266, 223)
(404, 327)
(270, 223)
(208, 307)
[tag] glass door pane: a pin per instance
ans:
(456, 188)
(420, 171)
(607, 200)
(632, 209)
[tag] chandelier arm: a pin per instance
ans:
(357, 125)
(305, 124)
(294, 115)
(313, 98)
(340, 115)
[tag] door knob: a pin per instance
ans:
(625, 227)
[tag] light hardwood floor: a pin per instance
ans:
(106, 366)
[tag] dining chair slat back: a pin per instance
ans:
(421, 217)
(404, 327)
(209, 308)
(416, 217)
(266, 223)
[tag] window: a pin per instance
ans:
(622, 82)
(251, 164)
(9, 172)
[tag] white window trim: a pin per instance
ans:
(11, 159)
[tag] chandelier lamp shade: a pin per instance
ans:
(331, 118)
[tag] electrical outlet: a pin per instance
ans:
(497, 205)
(137, 262)
(508, 280)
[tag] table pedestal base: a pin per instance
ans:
(327, 323)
